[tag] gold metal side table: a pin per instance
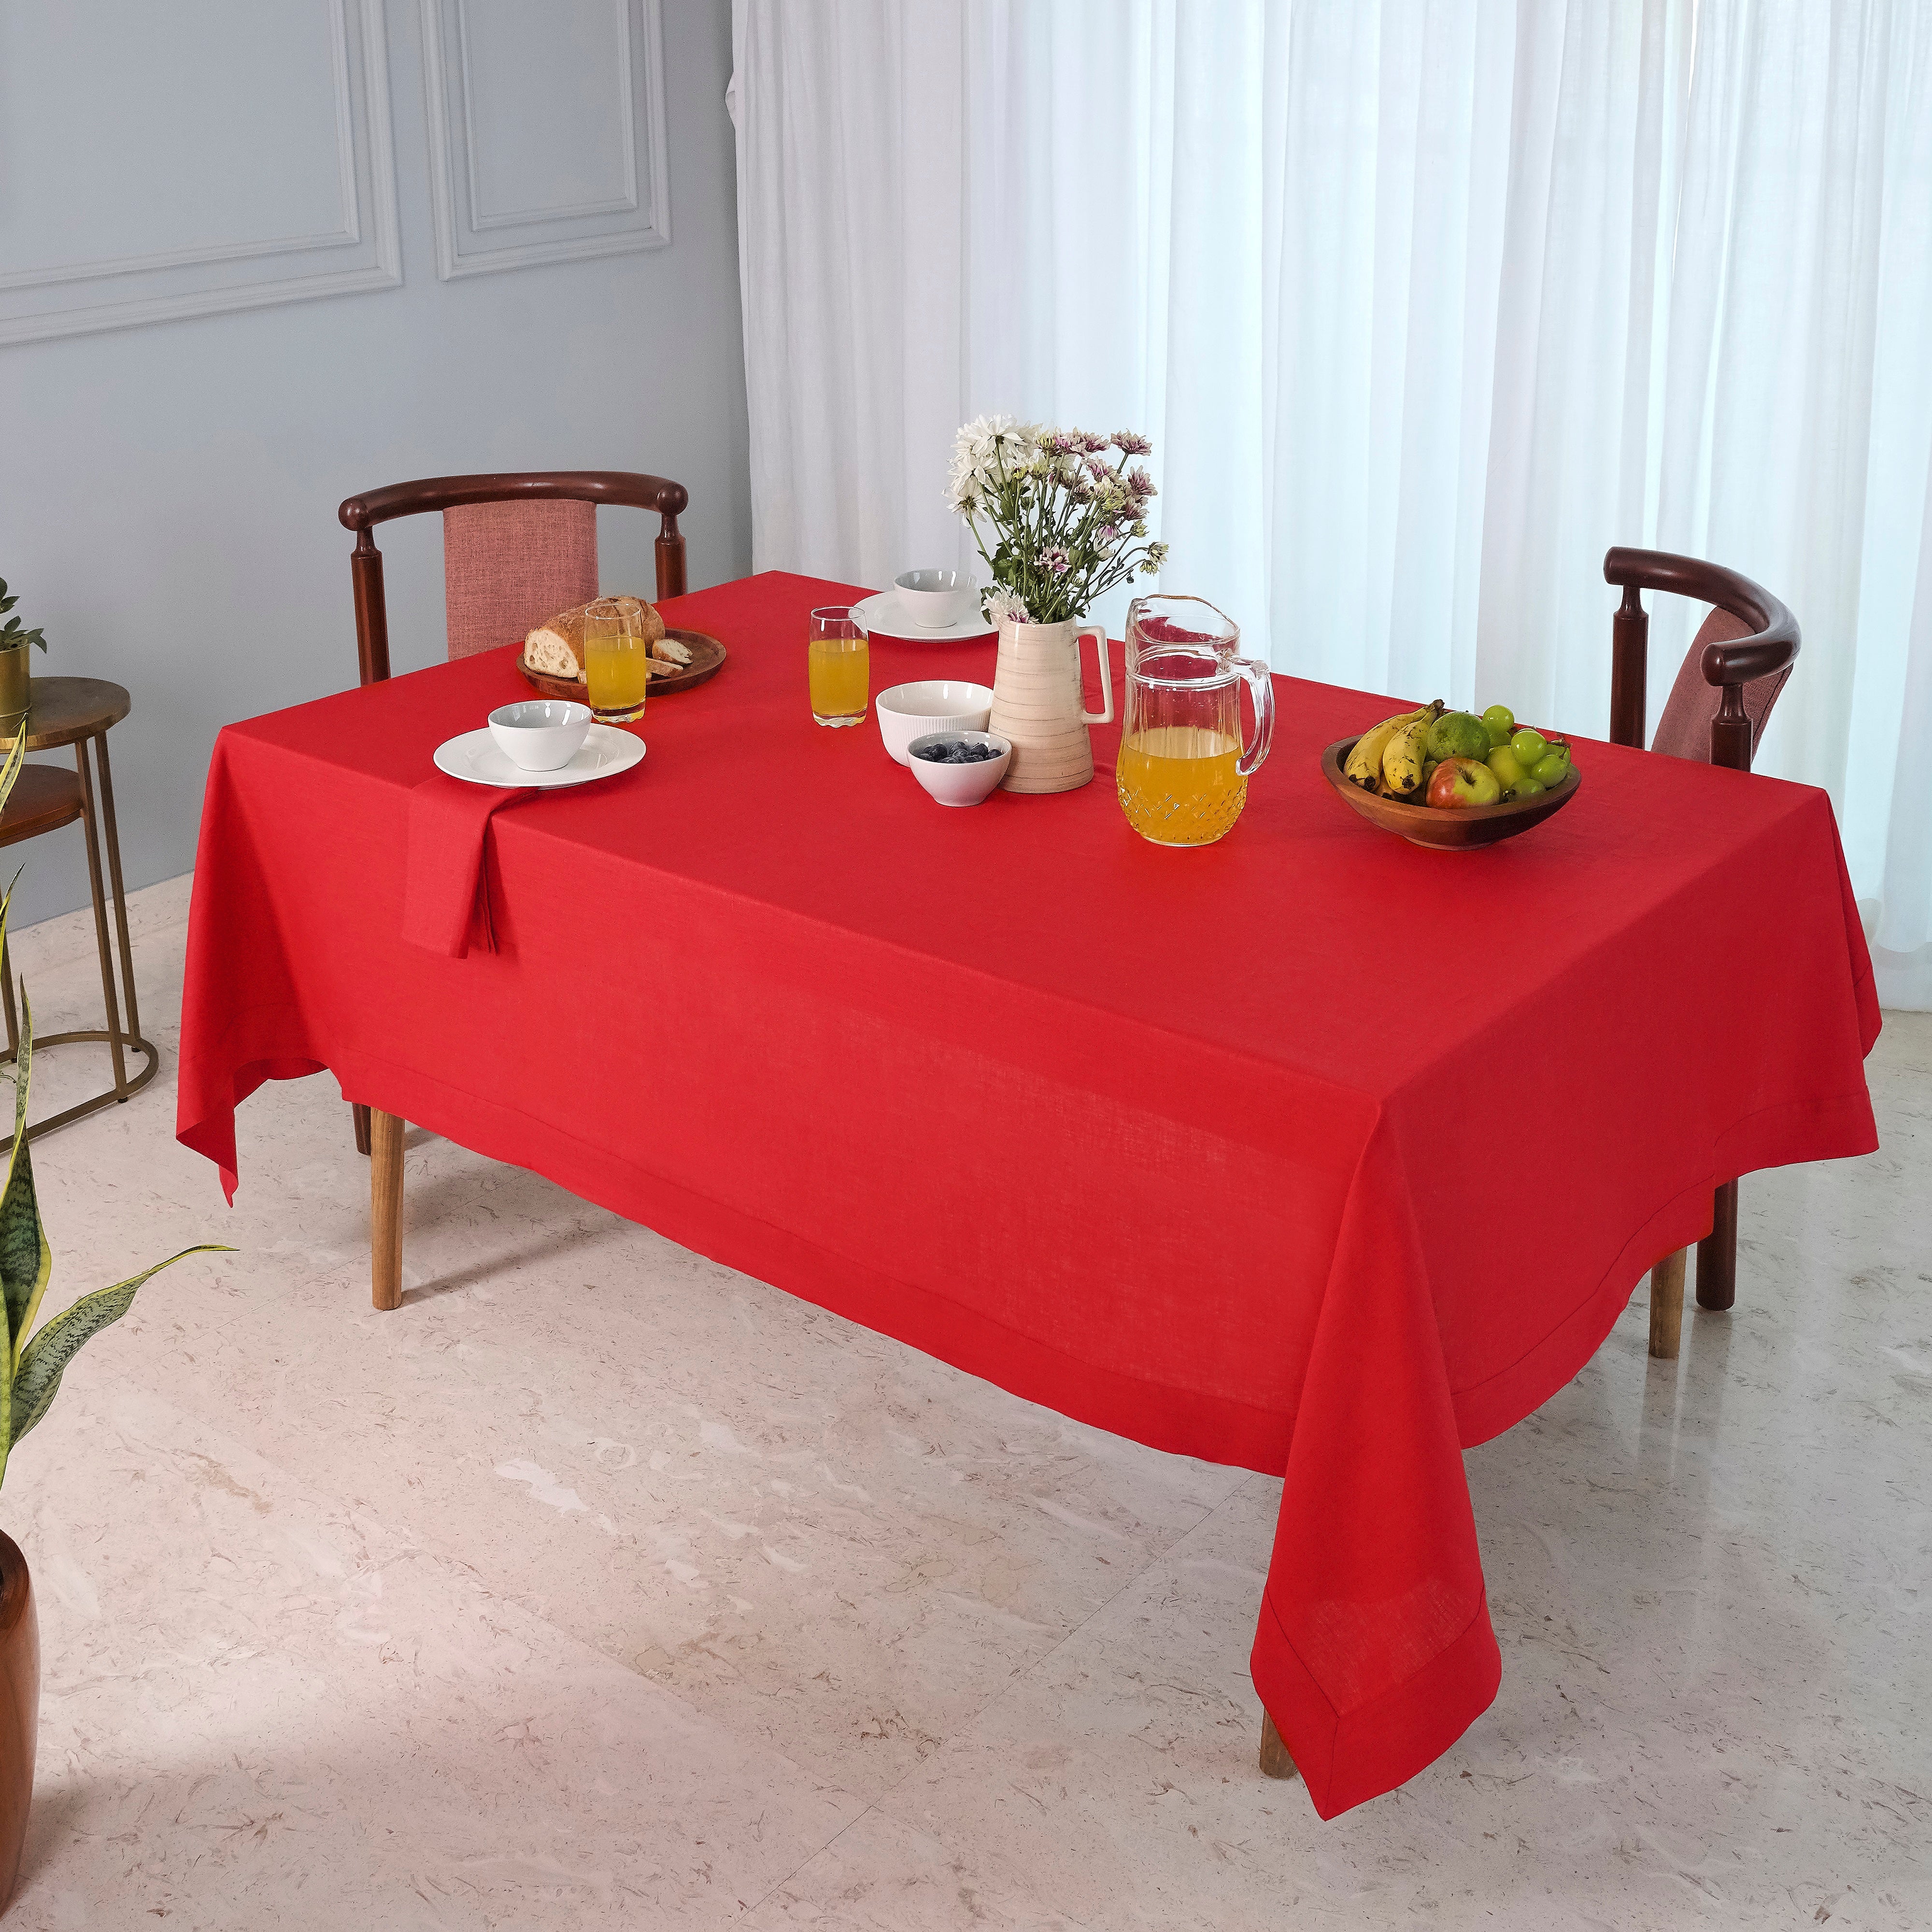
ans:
(79, 712)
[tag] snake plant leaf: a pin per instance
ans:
(48, 1354)
(26, 1262)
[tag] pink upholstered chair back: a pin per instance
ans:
(1685, 729)
(507, 566)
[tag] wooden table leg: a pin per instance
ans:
(1718, 1252)
(386, 1209)
(1276, 1762)
(359, 1114)
(1666, 1306)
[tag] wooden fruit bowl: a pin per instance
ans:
(707, 658)
(1445, 831)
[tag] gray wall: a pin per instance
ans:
(168, 489)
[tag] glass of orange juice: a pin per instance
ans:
(616, 659)
(838, 662)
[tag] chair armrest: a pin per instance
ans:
(1773, 643)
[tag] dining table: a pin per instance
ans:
(1309, 1151)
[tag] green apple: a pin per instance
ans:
(1528, 746)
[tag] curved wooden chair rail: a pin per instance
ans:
(1772, 647)
(362, 514)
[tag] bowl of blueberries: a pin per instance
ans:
(959, 767)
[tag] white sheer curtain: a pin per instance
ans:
(1425, 303)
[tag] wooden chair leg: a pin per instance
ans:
(360, 1114)
(386, 1209)
(1276, 1762)
(1667, 1306)
(1718, 1252)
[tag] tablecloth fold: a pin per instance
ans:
(445, 881)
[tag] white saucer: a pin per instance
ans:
(474, 758)
(882, 614)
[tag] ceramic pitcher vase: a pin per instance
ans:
(1038, 705)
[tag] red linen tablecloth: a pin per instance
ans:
(1310, 1151)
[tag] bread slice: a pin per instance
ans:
(556, 647)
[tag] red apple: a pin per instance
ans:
(1459, 783)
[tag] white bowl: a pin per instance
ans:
(961, 784)
(542, 734)
(934, 600)
(910, 711)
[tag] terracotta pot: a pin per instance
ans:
(19, 1707)
(1037, 704)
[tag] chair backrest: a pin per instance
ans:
(1684, 728)
(507, 566)
(1731, 676)
(516, 548)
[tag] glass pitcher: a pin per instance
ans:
(1183, 767)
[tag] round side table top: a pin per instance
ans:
(63, 709)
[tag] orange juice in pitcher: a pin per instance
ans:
(1179, 784)
(1182, 774)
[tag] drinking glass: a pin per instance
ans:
(838, 662)
(616, 659)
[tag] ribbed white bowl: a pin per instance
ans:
(910, 711)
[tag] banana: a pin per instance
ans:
(1403, 757)
(1364, 765)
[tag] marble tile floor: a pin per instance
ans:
(600, 1585)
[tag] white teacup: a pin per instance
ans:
(542, 734)
(935, 600)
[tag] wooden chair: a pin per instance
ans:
(1737, 664)
(516, 549)
(511, 543)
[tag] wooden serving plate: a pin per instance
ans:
(1445, 831)
(707, 659)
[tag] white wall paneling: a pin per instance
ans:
(168, 495)
(546, 130)
(178, 161)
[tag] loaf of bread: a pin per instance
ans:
(556, 646)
